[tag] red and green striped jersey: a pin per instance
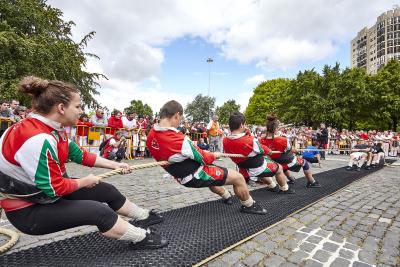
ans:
(35, 150)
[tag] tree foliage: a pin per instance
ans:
(140, 108)
(225, 111)
(348, 98)
(34, 40)
(200, 109)
(264, 99)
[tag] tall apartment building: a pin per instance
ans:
(373, 47)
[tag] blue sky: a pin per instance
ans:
(156, 50)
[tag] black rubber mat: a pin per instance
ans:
(195, 232)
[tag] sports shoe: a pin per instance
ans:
(368, 168)
(313, 185)
(153, 218)
(151, 241)
(289, 191)
(358, 169)
(291, 180)
(228, 201)
(275, 189)
(348, 168)
(254, 209)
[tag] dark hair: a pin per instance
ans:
(2, 101)
(46, 94)
(18, 109)
(170, 109)
(129, 113)
(235, 120)
(379, 144)
(83, 115)
(272, 123)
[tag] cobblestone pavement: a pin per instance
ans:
(359, 226)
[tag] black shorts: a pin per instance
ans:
(210, 175)
(311, 160)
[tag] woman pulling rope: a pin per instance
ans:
(32, 166)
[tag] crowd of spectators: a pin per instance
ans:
(207, 135)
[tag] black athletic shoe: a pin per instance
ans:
(254, 209)
(358, 169)
(153, 218)
(368, 168)
(228, 201)
(313, 185)
(348, 168)
(291, 180)
(289, 191)
(275, 189)
(151, 241)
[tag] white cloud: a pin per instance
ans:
(243, 99)
(255, 80)
(273, 35)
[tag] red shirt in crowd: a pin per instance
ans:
(82, 127)
(115, 124)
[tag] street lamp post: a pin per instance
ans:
(209, 61)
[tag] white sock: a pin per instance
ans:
(133, 234)
(272, 185)
(226, 194)
(284, 188)
(248, 202)
(138, 213)
(361, 162)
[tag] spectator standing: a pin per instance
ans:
(115, 122)
(213, 134)
(323, 139)
(99, 120)
(5, 116)
(82, 130)
(142, 143)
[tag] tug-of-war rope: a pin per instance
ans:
(13, 236)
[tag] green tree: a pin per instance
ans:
(267, 97)
(140, 108)
(226, 110)
(200, 109)
(298, 103)
(387, 91)
(34, 40)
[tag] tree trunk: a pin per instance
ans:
(394, 124)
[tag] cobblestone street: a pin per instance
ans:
(359, 226)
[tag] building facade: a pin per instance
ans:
(373, 47)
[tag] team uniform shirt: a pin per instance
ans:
(34, 152)
(286, 157)
(310, 152)
(358, 154)
(256, 163)
(191, 165)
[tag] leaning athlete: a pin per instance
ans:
(191, 166)
(257, 162)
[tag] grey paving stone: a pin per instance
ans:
(347, 254)
(336, 238)
(290, 244)
(367, 257)
(322, 255)
(217, 263)
(340, 262)
(298, 257)
(314, 239)
(283, 252)
(300, 236)
(232, 257)
(248, 246)
(331, 247)
(289, 264)
(307, 247)
(253, 259)
(360, 264)
(312, 263)
(274, 261)
(323, 233)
